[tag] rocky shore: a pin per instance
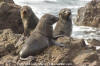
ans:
(75, 52)
(89, 14)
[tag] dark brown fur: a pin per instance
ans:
(39, 39)
(64, 24)
(29, 19)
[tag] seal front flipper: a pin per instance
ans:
(56, 37)
(56, 43)
(59, 44)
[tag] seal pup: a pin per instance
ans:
(39, 39)
(64, 24)
(29, 19)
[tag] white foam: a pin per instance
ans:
(37, 0)
(97, 47)
(85, 0)
(51, 0)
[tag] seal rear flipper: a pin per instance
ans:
(56, 43)
(56, 37)
(59, 44)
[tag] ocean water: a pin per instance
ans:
(41, 7)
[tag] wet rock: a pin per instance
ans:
(54, 55)
(20, 43)
(98, 51)
(86, 58)
(60, 55)
(7, 42)
(93, 42)
(7, 1)
(74, 54)
(10, 17)
(89, 14)
(8, 60)
(71, 42)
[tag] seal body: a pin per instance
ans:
(29, 19)
(64, 24)
(39, 39)
(33, 45)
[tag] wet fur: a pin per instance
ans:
(29, 19)
(64, 24)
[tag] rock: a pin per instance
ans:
(20, 43)
(10, 17)
(89, 14)
(8, 60)
(98, 51)
(93, 42)
(75, 55)
(71, 42)
(87, 58)
(7, 42)
(7, 1)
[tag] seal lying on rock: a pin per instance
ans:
(64, 24)
(39, 39)
(29, 19)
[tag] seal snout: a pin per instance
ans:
(68, 12)
(24, 12)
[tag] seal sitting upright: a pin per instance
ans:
(64, 24)
(29, 19)
(39, 39)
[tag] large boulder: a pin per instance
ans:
(7, 1)
(89, 15)
(8, 40)
(10, 17)
(86, 58)
(93, 42)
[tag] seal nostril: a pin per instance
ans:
(24, 12)
(69, 13)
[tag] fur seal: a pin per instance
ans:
(29, 19)
(64, 24)
(39, 39)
